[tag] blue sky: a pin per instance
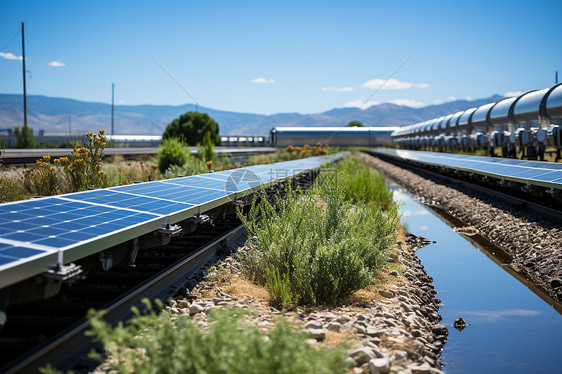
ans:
(283, 56)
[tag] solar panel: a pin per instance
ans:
(208, 181)
(44, 221)
(540, 173)
(34, 234)
(11, 253)
(130, 201)
(20, 262)
(172, 192)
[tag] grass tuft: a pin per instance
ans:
(175, 344)
(321, 246)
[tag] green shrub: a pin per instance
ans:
(326, 246)
(12, 189)
(206, 150)
(364, 184)
(279, 288)
(171, 152)
(193, 167)
(174, 344)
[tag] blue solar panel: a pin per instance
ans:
(7, 250)
(208, 181)
(173, 192)
(50, 221)
(79, 224)
(11, 253)
(221, 175)
(547, 177)
(546, 174)
(129, 201)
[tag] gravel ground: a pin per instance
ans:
(534, 241)
(393, 327)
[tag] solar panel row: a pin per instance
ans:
(539, 173)
(75, 225)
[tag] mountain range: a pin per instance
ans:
(53, 115)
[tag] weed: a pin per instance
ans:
(174, 344)
(83, 168)
(12, 189)
(122, 173)
(279, 287)
(42, 180)
(206, 151)
(193, 167)
(323, 243)
(364, 184)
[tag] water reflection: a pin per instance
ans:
(509, 328)
(491, 315)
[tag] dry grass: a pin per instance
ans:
(371, 293)
(334, 339)
(242, 288)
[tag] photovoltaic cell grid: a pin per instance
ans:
(57, 222)
(36, 228)
(540, 173)
(10, 253)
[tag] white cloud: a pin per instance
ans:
(10, 56)
(469, 98)
(437, 101)
(501, 314)
(513, 93)
(56, 64)
(263, 80)
(359, 104)
(391, 84)
(343, 89)
(419, 212)
(451, 98)
(407, 102)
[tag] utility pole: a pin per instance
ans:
(69, 126)
(112, 108)
(556, 77)
(24, 89)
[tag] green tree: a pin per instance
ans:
(24, 137)
(355, 124)
(191, 128)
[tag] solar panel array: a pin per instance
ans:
(38, 233)
(538, 173)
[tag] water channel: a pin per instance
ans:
(511, 330)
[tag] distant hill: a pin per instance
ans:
(52, 115)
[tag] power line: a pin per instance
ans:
(369, 98)
(380, 88)
(11, 39)
(178, 83)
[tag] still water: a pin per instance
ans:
(512, 330)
